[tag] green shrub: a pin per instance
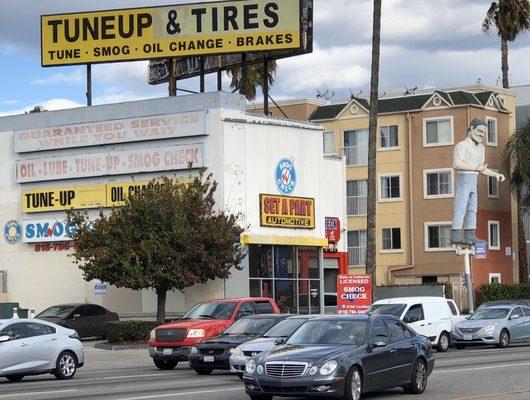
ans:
(128, 331)
(499, 291)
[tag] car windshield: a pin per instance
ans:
(211, 310)
(387, 309)
(56, 312)
(330, 332)
(285, 328)
(251, 326)
(491, 313)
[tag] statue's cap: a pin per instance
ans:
(476, 122)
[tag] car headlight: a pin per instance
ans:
(313, 370)
(328, 368)
(152, 335)
(489, 328)
(196, 333)
(260, 369)
(236, 351)
(251, 366)
(194, 350)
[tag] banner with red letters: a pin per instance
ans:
(354, 293)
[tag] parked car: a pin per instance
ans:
(342, 357)
(497, 325)
(512, 302)
(33, 347)
(433, 317)
(86, 319)
(274, 336)
(171, 343)
(215, 353)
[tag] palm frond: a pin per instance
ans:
(516, 157)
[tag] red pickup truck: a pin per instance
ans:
(171, 342)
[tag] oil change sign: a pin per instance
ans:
(170, 31)
(354, 293)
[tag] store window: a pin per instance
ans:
(260, 261)
(389, 136)
(437, 131)
(391, 238)
(331, 271)
(284, 265)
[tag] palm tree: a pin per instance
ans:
(372, 144)
(517, 167)
(254, 77)
(510, 18)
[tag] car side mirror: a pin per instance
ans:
(4, 339)
(377, 344)
(76, 316)
(279, 341)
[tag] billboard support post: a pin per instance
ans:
(244, 75)
(89, 84)
(202, 73)
(266, 86)
(172, 78)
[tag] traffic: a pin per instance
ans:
(284, 355)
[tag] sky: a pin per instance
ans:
(424, 43)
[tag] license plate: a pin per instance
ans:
(468, 337)
(209, 359)
(167, 352)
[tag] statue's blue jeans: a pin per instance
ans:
(465, 208)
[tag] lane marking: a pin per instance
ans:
(159, 396)
(480, 368)
(135, 376)
(485, 396)
(39, 393)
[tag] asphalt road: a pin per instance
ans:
(471, 374)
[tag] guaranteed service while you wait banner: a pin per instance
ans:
(170, 31)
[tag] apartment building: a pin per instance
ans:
(415, 182)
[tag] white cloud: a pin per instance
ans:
(49, 105)
(76, 77)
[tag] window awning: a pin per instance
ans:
(284, 240)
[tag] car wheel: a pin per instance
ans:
(14, 378)
(443, 342)
(353, 389)
(418, 380)
(460, 346)
(203, 371)
(66, 366)
(165, 364)
(504, 339)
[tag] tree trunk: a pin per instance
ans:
(372, 147)
(504, 63)
(523, 266)
(161, 306)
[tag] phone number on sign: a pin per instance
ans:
(60, 246)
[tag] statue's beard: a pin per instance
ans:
(476, 138)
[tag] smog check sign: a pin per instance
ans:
(285, 176)
(354, 294)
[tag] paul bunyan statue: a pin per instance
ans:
(469, 162)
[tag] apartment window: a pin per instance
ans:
(493, 187)
(437, 131)
(494, 235)
(356, 147)
(495, 278)
(356, 197)
(438, 183)
(492, 131)
(329, 145)
(391, 238)
(438, 236)
(389, 136)
(390, 187)
(357, 247)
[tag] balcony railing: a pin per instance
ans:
(357, 256)
(356, 205)
(356, 155)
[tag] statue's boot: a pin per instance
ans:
(456, 237)
(471, 236)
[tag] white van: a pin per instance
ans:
(433, 317)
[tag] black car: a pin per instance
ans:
(86, 319)
(342, 357)
(215, 353)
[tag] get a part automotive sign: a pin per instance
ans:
(354, 293)
(170, 31)
(287, 211)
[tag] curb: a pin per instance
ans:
(107, 346)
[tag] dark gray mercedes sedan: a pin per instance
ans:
(342, 357)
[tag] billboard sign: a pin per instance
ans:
(332, 227)
(46, 230)
(120, 162)
(287, 211)
(110, 132)
(354, 294)
(63, 198)
(170, 31)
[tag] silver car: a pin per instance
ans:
(32, 347)
(497, 325)
(275, 335)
